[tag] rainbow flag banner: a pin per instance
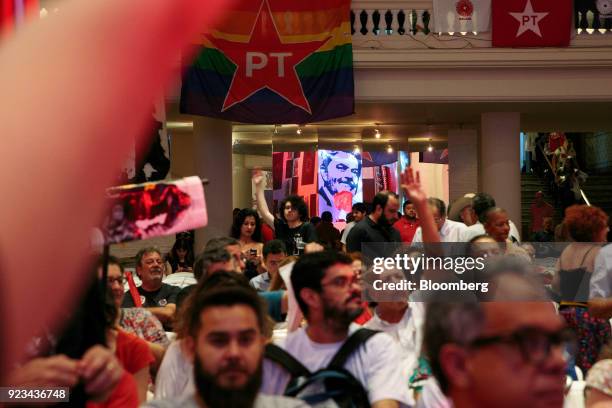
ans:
(274, 61)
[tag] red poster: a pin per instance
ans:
(531, 23)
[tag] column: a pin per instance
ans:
(500, 172)
(462, 162)
(212, 155)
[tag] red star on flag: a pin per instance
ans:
(266, 62)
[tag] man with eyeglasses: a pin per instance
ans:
(159, 298)
(329, 296)
(507, 350)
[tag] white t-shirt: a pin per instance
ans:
(377, 365)
(408, 332)
(601, 278)
(175, 376)
(451, 231)
(346, 231)
(478, 229)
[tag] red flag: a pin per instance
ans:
(14, 13)
(531, 23)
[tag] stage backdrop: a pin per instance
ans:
(339, 182)
(379, 173)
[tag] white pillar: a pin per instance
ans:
(212, 155)
(500, 171)
(462, 162)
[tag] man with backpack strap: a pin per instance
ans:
(331, 360)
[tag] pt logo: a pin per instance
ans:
(259, 60)
(266, 62)
(529, 20)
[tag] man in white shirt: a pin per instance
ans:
(481, 203)
(329, 295)
(600, 296)
(359, 213)
(450, 231)
(225, 335)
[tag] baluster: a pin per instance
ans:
(376, 21)
(426, 19)
(596, 20)
(388, 22)
(401, 19)
(352, 22)
(413, 22)
(363, 19)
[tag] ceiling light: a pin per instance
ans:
(377, 133)
(299, 130)
(430, 148)
(356, 150)
(389, 149)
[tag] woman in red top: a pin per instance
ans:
(135, 357)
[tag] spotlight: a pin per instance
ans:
(356, 150)
(377, 133)
(389, 149)
(430, 148)
(299, 130)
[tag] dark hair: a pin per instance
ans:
(145, 251)
(381, 199)
(327, 216)
(405, 204)
(297, 203)
(315, 220)
(216, 280)
(485, 216)
(239, 220)
(111, 311)
(584, 221)
(439, 204)
(222, 296)
(481, 202)
(359, 207)
(173, 258)
(112, 260)
(207, 258)
(310, 269)
(275, 246)
(220, 243)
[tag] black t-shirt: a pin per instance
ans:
(165, 295)
(306, 232)
(366, 231)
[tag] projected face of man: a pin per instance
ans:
(342, 173)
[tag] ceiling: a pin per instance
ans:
(400, 125)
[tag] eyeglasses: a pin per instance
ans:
(120, 280)
(342, 282)
(535, 345)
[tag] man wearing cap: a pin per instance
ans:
(461, 210)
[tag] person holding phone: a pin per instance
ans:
(246, 228)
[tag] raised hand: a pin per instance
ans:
(411, 185)
(258, 178)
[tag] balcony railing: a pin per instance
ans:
(394, 24)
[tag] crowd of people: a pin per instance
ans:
(288, 319)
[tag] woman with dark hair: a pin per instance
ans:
(181, 256)
(588, 227)
(246, 228)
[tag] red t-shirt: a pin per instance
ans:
(364, 316)
(267, 233)
(125, 395)
(538, 214)
(406, 228)
(133, 352)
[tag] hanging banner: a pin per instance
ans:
(141, 211)
(462, 16)
(274, 61)
(379, 173)
(532, 23)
